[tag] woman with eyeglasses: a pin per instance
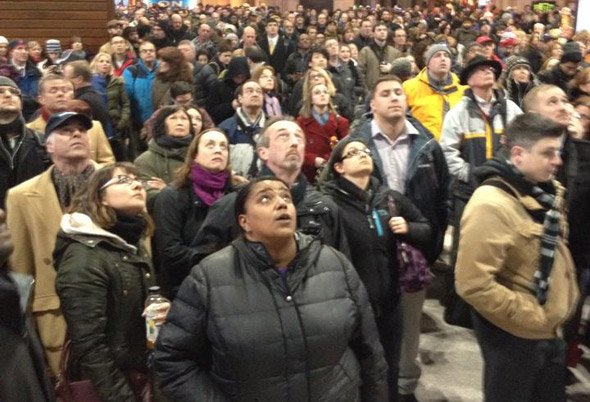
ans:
(103, 276)
(275, 316)
(181, 208)
(374, 219)
(172, 132)
(323, 128)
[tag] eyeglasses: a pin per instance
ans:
(123, 179)
(355, 152)
(11, 90)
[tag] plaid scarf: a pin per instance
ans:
(549, 240)
(551, 233)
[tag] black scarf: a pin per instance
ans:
(66, 186)
(12, 129)
(165, 141)
(129, 228)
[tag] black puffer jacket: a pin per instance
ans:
(238, 331)
(178, 216)
(102, 284)
(365, 217)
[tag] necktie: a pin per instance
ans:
(272, 47)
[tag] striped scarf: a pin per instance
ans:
(551, 233)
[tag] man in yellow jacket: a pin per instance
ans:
(434, 90)
(514, 267)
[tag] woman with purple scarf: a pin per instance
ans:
(181, 207)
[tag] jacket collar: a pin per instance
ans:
(81, 224)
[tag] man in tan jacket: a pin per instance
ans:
(34, 210)
(54, 94)
(514, 266)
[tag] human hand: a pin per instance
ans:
(385, 68)
(319, 162)
(398, 225)
(161, 312)
(156, 183)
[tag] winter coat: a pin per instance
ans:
(369, 61)
(219, 101)
(161, 92)
(351, 82)
(98, 107)
(427, 104)
(129, 60)
(102, 283)
(204, 80)
(24, 377)
(499, 253)
(100, 149)
(317, 215)
(138, 84)
(160, 162)
(372, 244)
(469, 138)
(427, 180)
(27, 160)
(112, 89)
(33, 217)
(238, 331)
(242, 139)
(319, 140)
(555, 76)
(178, 216)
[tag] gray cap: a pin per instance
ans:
(433, 49)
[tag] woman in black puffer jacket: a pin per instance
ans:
(275, 316)
(372, 233)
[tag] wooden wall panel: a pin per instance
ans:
(57, 19)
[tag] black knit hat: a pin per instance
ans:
(571, 52)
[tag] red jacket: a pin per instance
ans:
(319, 140)
(129, 60)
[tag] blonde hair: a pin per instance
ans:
(308, 85)
(94, 62)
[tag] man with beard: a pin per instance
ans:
(281, 148)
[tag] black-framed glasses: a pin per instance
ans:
(355, 152)
(123, 179)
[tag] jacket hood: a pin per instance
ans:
(81, 224)
(237, 66)
(175, 153)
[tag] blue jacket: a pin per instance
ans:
(138, 85)
(427, 181)
(244, 158)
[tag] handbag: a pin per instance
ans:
(414, 271)
(72, 391)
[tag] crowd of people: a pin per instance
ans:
(287, 179)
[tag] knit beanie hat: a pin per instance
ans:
(3, 40)
(7, 82)
(433, 49)
(513, 61)
(53, 46)
(571, 52)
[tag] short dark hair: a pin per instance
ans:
(244, 193)
(385, 78)
(317, 49)
(528, 128)
(180, 88)
(255, 54)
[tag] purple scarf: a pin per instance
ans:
(209, 187)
